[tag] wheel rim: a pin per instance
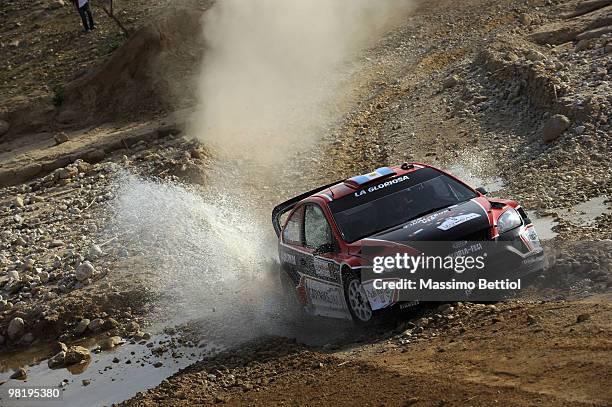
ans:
(358, 301)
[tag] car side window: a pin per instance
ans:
(292, 233)
(317, 231)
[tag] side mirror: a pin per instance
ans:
(482, 190)
(326, 248)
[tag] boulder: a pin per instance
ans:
(15, 328)
(110, 342)
(57, 360)
(60, 138)
(20, 374)
(82, 326)
(554, 127)
(85, 271)
(76, 354)
(96, 325)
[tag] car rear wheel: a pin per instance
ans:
(357, 300)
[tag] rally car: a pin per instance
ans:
(323, 235)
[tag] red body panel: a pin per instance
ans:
(348, 253)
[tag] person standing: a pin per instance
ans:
(85, 12)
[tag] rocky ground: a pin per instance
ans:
(519, 91)
(460, 354)
(57, 254)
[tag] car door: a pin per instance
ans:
(323, 284)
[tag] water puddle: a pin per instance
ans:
(582, 214)
(109, 376)
(544, 226)
(118, 374)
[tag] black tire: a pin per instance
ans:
(356, 300)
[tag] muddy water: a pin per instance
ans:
(109, 382)
(475, 174)
(583, 214)
(112, 382)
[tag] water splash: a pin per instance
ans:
(211, 258)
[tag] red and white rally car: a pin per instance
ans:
(321, 240)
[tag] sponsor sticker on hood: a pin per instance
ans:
(453, 221)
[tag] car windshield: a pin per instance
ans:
(394, 201)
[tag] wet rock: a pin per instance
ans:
(158, 364)
(110, 342)
(132, 326)
(85, 271)
(96, 325)
(583, 318)
(554, 127)
(86, 382)
(82, 326)
(110, 323)
(57, 360)
(28, 338)
(15, 328)
(76, 354)
(60, 347)
(138, 335)
(20, 374)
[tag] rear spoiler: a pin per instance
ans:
(286, 206)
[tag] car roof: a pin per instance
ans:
(349, 186)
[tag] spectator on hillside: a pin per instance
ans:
(85, 12)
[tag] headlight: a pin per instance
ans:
(509, 220)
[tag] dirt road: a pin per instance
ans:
(513, 354)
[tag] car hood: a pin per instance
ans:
(466, 221)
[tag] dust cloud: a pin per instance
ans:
(271, 74)
(273, 69)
